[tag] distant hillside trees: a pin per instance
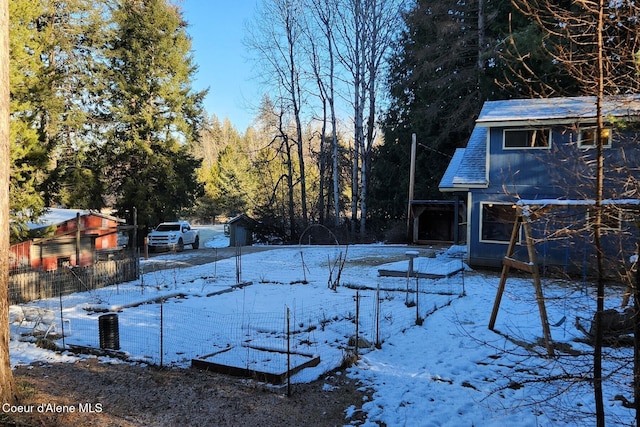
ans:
(255, 173)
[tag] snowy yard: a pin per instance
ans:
(449, 370)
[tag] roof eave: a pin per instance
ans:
(533, 122)
(459, 187)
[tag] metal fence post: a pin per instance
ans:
(357, 321)
(378, 302)
(61, 318)
(161, 331)
(288, 353)
(419, 319)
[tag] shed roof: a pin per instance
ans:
(242, 219)
(446, 183)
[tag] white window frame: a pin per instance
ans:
(592, 138)
(481, 230)
(535, 131)
(609, 212)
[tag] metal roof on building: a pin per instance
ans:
(560, 109)
(55, 216)
(468, 167)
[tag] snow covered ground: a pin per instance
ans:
(438, 364)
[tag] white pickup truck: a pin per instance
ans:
(173, 236)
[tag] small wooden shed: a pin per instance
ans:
(241, 230)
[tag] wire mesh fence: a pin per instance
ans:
(266, 327)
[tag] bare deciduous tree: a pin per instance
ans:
(277, 39)
(323, 52)
(333, 51)
(366, 29)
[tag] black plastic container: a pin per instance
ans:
(109, 332)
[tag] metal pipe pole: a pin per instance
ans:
(412, 173)
(77, 263)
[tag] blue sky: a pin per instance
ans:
(217, 30)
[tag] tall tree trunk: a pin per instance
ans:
(336, 174)
(7, 392)
(290, 187)
(296, 101)
(481, 36)
(322, 165)
(360, 137)
(355, 162)
(334, 126)
(295, 91)
(369, 94)
(334, 159)
(324, 12)
(334, 134)
(636, 337)
(363, 196)
(356, 72)
(303, 180)
(597, 349)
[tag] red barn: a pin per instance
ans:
(76, 237)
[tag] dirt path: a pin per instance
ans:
(126, 395)
(190, 257)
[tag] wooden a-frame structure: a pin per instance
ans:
(528, 211)
(524, 217)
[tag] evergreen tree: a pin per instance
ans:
(434, 90)
(227, 171)
(207, 149)
(450, 59)
(154, 112)
(77, 181)
(28, 155)
(233, 181)
(523, 64)
(55, 46)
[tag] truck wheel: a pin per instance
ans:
(180, 247)
(196, 243)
